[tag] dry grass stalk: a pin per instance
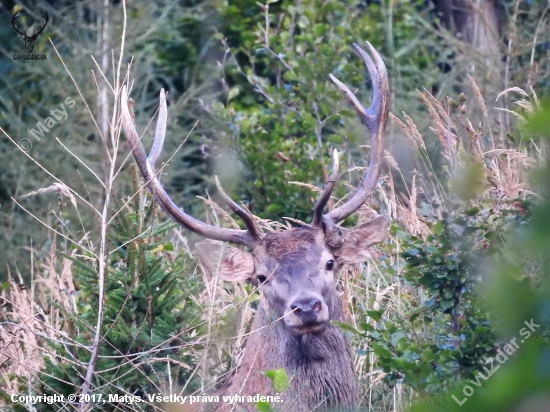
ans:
(59, 285)
(440, 128)
(17, 352)
(21, 353)
(410, 129)
(219, 211)
(414, 131)
(530, 106)
(505, 169)
(389, 159)
(60, 188)
(479, 96)
(408, 218)
(295, 221)
(515, 167)
(32, 318)
(390, 196)
(442, 112)
(306, 185)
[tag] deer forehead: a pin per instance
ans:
(297, 247)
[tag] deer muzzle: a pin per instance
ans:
(307, 315)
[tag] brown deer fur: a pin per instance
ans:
(318, 361)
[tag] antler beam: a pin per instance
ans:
(325, 196)
(35, 32)
(375, 118)
(147, 167)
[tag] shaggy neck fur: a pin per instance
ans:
(320, 366)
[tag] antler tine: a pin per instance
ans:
(15, 25)
(325, 196)
(248, 219)
(160, 131)
(241, 237)
(36, 33)
(375, 118)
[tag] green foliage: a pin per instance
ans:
(446, 264)
(516, 293)
(282, 115)
(279, 379)
(450, 337)
(148, 316)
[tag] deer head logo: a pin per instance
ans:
(29, 40)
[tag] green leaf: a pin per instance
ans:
(381, 351)
(264, 406)
(290, 76)
(348, 328)
(272, 208)
(279, 379)
(427, 355)
(473, 211)
(366, 327)
(375, 314)
(438, 228)
(397, 337)
(234, 92)
(447, 303)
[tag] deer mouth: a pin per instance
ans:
(310, 318)
(317, 327)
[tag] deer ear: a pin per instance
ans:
(227, 262)
(354, 249)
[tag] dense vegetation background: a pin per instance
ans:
(94, 274)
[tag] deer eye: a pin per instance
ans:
(330, 264)
(261, 279)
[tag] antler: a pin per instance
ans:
(147, 167)
(14, 25)
(375, 118)
(24, 34)
(325, 196)
(36, 33)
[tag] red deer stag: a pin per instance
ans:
(294, 270)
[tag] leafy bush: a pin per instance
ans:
(516, 291)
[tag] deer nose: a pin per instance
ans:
(306, 307)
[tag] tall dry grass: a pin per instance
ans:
(31, 318)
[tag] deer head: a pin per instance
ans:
(29, 40)
(294, 269)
